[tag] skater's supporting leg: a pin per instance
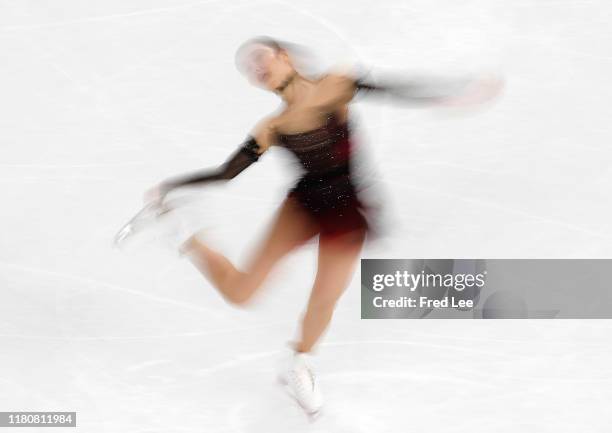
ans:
(290, 229)
(336, 263)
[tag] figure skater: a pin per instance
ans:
(313, 125)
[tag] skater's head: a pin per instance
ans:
(266, 62)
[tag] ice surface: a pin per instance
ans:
(99, 100)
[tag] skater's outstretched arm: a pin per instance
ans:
(407, 92)
(338, 89)
(243, 157)
(430, 91)
(248, 153)
(256, 143)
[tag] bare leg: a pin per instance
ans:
(291, 228)
(336, 263)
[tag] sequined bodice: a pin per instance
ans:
(322, 151)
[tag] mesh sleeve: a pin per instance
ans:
(415, 91)
(243, 157)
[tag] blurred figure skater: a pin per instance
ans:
(313, 125)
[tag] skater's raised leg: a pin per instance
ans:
(290, 228)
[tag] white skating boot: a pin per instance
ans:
(301, 384)
(171, 227)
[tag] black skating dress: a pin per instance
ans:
(327, 190)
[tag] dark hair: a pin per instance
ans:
(294, 50)
(275, 44)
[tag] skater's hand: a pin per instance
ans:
(482, 89)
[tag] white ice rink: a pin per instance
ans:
(101, 99)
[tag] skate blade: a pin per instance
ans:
(122, 235)
(312, 417)
(143, 218)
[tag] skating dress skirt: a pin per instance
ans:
(327, 190)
